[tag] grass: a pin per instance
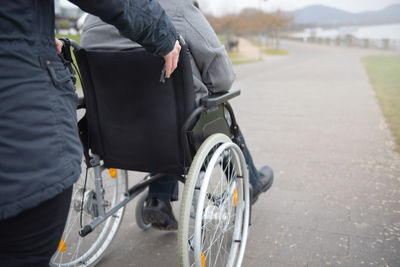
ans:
(268, 50)
(275, 52)
(237, 59)
(244, 61)
(384, 74)
(222, 39)
(76, 38)
(233, 55)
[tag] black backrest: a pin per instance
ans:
(134, 121)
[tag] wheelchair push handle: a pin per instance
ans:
(66, 58)
(67, 45)
(182, 41)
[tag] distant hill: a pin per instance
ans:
(318, 15)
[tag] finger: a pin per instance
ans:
(59, 45)
(175, 62)
(175, 58)
(168, 66)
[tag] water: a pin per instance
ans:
(375, 32)
(385, 36)
(389, 31)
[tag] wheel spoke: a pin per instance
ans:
(215, 218)
(89, 249)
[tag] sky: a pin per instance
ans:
(220, 7)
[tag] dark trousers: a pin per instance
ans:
(31, 238)
(253, 172)
(168, 187)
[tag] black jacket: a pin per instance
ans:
(40, 152)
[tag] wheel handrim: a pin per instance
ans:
(216, 212)
(103, 236)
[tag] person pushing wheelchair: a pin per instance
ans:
(212, 73)
(40, 150)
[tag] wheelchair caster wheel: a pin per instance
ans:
(144, 225)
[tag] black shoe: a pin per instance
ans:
(266, 178)
(158, 212)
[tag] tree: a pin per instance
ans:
(250, 21)
(277, 22)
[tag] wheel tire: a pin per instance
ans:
(139, 213)
(193, 200)
(75, 250)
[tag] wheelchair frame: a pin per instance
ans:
(215, 143)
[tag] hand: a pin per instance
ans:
(59, 45)
(171, 60)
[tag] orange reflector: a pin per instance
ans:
(235, 197)
(203, 260)
(62, 247)
(113, 172)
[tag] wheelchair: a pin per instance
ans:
(135, 122)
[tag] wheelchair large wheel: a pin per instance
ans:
(75, 250)
(215, 210)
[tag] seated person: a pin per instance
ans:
(212, 72)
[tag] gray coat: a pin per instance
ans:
(211, 66)
(40, 152)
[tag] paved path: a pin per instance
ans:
(247, 50)
(313, 117)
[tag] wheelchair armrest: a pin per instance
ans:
(216, 99)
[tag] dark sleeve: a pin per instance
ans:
(142, 21)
